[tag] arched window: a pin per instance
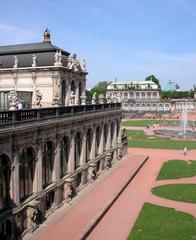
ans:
(88, 144)
(137, 95)
(47, 164)
(5, 175)
(73, 86)
(112, 133)
(154, 107)
(143, 95)
(97, 144)
(26, 173)
(65, 147)
(105, 136)
(148, 95)
(154, 95)
(78, 148)
(125, 95)
(131, 95)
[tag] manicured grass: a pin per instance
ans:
(143, 123)
(138, 139)
(175, 169)
(161, 223)
(183, 192)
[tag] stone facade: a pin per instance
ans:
(49, 154)
(144, 96)
(41, 67)
(45, 161)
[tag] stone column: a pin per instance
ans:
(108, 137)
(15, 179)
(34, 78)
(114, 141)
(38, 169)
(119, 132)
(68, 93)
(56, 168)
(77, 95)
(83, 151)
(92, 153)
(114, 135)
(101, 141)
(71, 154)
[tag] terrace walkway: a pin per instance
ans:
(80, 217)
(118, 221)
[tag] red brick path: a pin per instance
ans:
(79, 219)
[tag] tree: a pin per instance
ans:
(177, 94)
(100, 88)
(153, 79)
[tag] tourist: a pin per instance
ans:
(185, 150)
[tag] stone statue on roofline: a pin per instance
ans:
(56, 100)
(83, 98)
(93, 98)
(84, 65)
(58, 58)
(118, 98)
(15, 62)
(39, 97)
(34, 60)
(71, 98)
(101, 99)
(74, 63)
(13, 99)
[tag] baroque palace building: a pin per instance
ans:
(55, 148)
(144, 96)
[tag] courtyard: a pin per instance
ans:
(148, 195)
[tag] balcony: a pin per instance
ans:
(34, 115)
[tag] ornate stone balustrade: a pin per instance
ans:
(10, 117)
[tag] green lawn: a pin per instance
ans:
(180, 192)
(143, 123)
(161, 223)
(138, 139)
(175, 169)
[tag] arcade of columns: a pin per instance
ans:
(106, 147)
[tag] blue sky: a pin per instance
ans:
(123, 39)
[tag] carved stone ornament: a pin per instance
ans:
(39, 97)
(83, 98)
(13, 99)
(92, 175)
(71, 98)
(94, 99)
(58, 58)
(69, 191)
(34, 60)
(74, 63)
(56, 100)
(15, 62)
(101, 99)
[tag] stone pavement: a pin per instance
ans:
(76, 222)
(119, 220)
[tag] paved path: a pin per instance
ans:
(121, 217)
(74, 223)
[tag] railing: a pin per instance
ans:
(20, 116)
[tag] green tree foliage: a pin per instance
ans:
(177, 94)
(152, 78)
(100, 88)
